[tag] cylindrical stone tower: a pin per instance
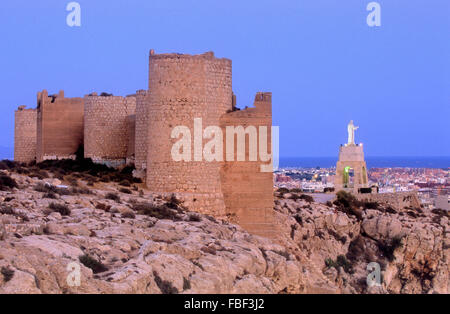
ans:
(106, 137)
(181, 89)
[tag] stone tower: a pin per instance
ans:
(25, 134)
(59, 126)
(248, 191)
(183, 88)
(351, 169)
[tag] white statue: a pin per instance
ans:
(351, 133)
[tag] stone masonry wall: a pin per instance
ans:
(25, 134)
(106, 132)
(398, 200)
(181, 88)
(141, 131)
(131, 124)
(248, 191)
(59, 126)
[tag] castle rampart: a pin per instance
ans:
(141, 131)
(131, 149)
(59, 126)
(106, 132)
(247, 189)
(25, 128)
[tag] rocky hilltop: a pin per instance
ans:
(124, 239)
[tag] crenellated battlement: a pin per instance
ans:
(263, 97)
(206, 56)
(43, 98)
(24, 108)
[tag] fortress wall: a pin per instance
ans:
(25, 128)
(59, 126)
(131, 149)
(141, 130)
(181, 88)
(248, 192)
(398, 200)
(106, 132)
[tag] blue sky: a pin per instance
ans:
(319, 58)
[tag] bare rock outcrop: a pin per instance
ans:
(122, 245)
(411, 246)
(120, 240)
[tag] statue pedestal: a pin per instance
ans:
(351, 169)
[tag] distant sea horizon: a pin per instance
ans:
(329, 162)
(371, 161)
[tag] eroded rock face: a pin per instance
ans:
(130, 249)
(411, 247)
(142, 254)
